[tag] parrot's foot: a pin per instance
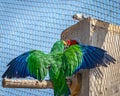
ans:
(69, 81)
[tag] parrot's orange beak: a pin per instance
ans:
(65, 43)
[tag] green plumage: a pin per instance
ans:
(72, 57)
(60, 63)
(66, 61)
(58, 77)
(37, 64)
(57, 72)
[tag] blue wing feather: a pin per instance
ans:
(17, 67)
(93, 57)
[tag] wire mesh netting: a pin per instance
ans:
(37, 24)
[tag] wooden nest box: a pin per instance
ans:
(104, 35)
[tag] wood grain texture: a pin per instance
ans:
(12, 83)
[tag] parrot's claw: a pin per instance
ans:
(69, 81)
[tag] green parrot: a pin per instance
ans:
(65, 59)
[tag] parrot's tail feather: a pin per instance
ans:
(17, 67)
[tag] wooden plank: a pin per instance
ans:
(11, 83)
(104, 25)
(27, 83)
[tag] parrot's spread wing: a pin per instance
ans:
(32, 63)
(78, 57)
(36, 64)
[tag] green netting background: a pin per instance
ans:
(37, 24)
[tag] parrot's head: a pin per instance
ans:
(71, 42)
